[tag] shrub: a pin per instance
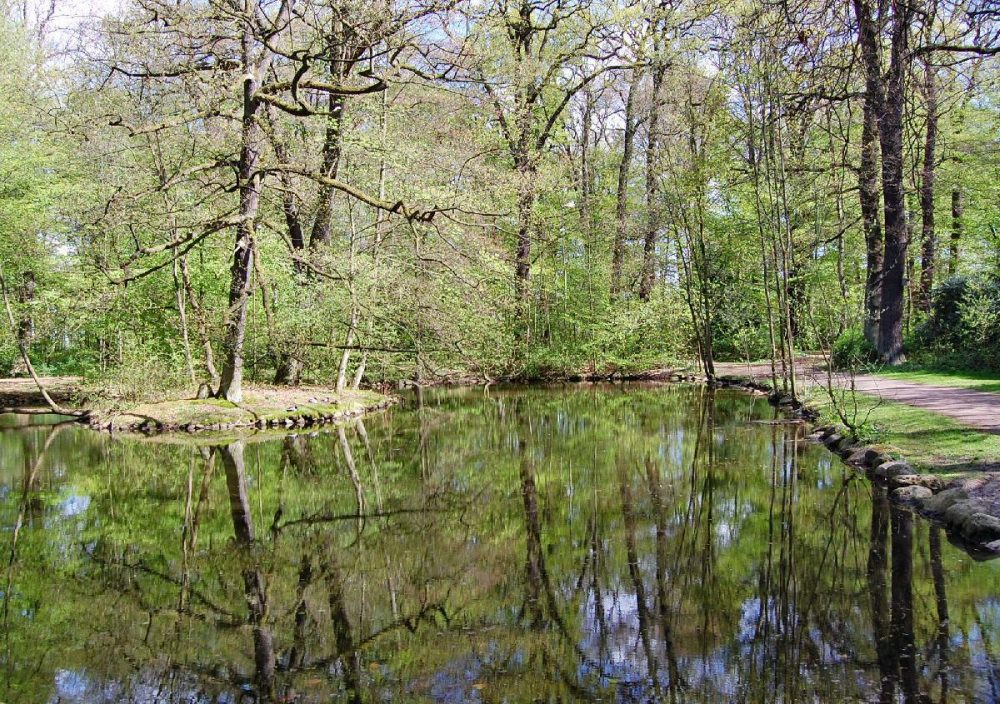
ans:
(963, 329)
(852, 349)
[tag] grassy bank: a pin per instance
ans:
(928, 441)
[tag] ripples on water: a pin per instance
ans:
(625, 544)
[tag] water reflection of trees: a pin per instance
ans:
(641, 546)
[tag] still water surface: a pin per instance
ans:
(623, 544)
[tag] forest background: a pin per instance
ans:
(348, 193)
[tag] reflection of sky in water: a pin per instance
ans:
(73, 505)
(150, 685)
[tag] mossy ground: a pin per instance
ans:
(260, 405)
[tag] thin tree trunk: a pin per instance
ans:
(26, 296)
(231, 384)
(652, 215)
(182, 315)
(957, 210)
(928, 245)
(199, 315)
(525, 213)
(621, 206)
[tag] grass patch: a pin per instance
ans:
(977, 381)
(928, 441)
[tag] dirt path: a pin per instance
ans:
(23, 392)
(974, 409)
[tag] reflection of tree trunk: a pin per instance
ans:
(941, 600)
(424, 431)
(352, 470)
(192, 515)
(533, 535)
(30, 507)
(600, 618)
(295, 453)
(902, 600)
(635, 573)
(877, 561)
(343, 638)
(662, 598)
(297, 654)
(254, 584)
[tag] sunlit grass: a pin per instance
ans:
(927, 440)
(978, 381)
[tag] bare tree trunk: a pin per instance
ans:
(182, 315)
(652, 215)
(231, 384)
(288, 370)
(586, 172)
(345, 357)
(332, 143)
(525, 228)
(868, 193)
(896, 238)
(320, 234)
(928, 244)
(888, 97)
(621, 207)
(199, 315)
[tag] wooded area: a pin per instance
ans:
(225, 191)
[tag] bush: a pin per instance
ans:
(963, 329)
(852, 349)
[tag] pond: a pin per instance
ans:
(581, 543)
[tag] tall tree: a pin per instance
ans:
(530, 58)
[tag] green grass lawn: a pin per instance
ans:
(978, 381)
(928, 441)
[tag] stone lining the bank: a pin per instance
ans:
(959, 504)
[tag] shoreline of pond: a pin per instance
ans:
(966, 505)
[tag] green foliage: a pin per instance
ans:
(963, 329)
(852, 350)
